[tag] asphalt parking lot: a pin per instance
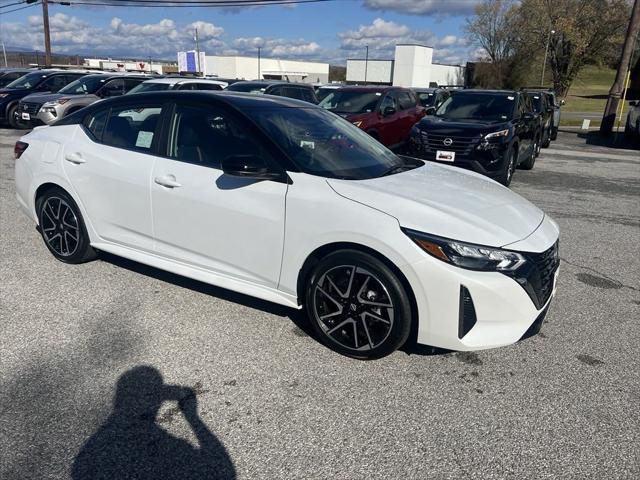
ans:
(273, 403)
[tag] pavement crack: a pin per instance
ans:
(603, 275)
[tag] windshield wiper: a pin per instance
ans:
(396, 169)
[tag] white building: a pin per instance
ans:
(411, 67)
(124, 65)
(251, 68)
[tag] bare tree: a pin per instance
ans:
(493, 28)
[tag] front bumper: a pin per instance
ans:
(503, 309)
(486, 161)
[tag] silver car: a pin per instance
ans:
(632, 125)
(83, 92)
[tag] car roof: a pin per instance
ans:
(266, 83)
(172, 80)
(485, 91)
(371, 88)
(240, 100)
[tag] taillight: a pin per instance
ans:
(19, 149)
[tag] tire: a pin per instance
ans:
(508, 167)
(554, 133)
(347, 284)
(546, 139)
(10, 116)
(62, 227)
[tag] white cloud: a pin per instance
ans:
(424, 7)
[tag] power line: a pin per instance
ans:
(20, 8)
(12, 4)
(187, 3)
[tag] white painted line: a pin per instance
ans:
(578, 153)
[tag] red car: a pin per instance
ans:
(385, 113)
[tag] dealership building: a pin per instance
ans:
(412, 66)
(251, 68)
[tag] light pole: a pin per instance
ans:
(259, 75)
(197, 53)
(366, 64)
(546, 51)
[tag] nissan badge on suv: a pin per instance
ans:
(488, 131)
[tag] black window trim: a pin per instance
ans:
(153, 150)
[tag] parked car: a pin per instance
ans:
(323, 90)
(431, 98)
(555, 103)
(178, 83)
(299, 91)
(8, 75)
(385, 113)
(284, 201)
(632, 125)
(543, 106)
(42, 81)
(488, 131)
(50, 107)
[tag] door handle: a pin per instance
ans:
(74, 158)
(168, 181)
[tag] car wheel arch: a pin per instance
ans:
(320, 252)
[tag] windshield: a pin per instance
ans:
(247, 87)
(349, 101)
(28, 81)
(427, 99)
(488, 107)
(322, 92)
(150, 87)
(84, 85)
(321, 143)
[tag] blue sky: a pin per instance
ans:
(329, 31)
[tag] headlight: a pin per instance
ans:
(501, 133)
(2, 95)
(467, 255)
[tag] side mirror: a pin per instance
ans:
(528, 116)
(388, 111)
(248, 166)
(634, 103)
(430, 111)
(562, 102)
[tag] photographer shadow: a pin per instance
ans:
(131, 445)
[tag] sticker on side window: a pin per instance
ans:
(144, 139)
(510, 98)
(307, 144)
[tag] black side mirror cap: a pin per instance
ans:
(430, 110)
(388, 111)
(249, 166)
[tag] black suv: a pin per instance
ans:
(42, 81)
(543, 106)
(488, 131)
(299, 91)
(8, 75)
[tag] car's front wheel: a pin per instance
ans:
(357, 305)
(508, 167)
(62, 227)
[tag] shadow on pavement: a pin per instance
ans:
(131, 444)
(615, 140)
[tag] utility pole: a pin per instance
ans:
(609, 117)
(47, 37)
(546, 51)
(197, 53)
(259, 75)
(4, 54)
(366, 64)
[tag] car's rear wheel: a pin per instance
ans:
(535, 151)
(357, 305)
(62, 227)
(554, 133)
(546, 139)
(508, 167)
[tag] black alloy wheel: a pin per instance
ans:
(358, 306)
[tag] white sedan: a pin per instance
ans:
(286, 202)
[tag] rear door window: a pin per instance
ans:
(113, 88)
(405, 101)
(94, 123)
(132, 128)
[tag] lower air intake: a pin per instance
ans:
(467, 313)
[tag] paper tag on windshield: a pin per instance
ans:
(144, 139)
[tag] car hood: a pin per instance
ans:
(448, 202)
(15, 91)
(445, 126)
(353, 117)
(41, 97)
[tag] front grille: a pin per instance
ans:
(466, 312)
(30, 107)
(458, 143)
(536, 276)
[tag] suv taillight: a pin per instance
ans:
(19, 149)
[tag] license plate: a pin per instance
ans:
(26, 116)
(444, 156)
